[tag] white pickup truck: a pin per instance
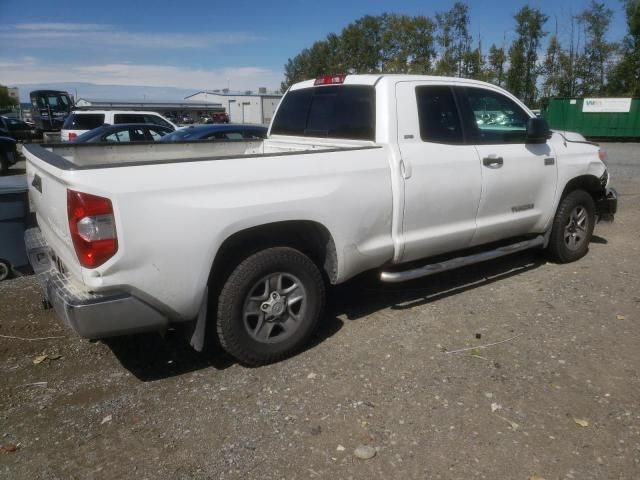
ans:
(238, 239)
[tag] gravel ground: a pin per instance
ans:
(557, 400)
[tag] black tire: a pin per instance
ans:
(5, 270)
(568, 242)
(238, 329)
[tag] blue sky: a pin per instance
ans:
(196, 45)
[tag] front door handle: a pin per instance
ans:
(493, 161)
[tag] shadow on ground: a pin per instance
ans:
(366, 294)
(152, 357)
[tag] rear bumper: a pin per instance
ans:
(90, 314)
(607, 206)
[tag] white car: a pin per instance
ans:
(81, 121)
(237, 238)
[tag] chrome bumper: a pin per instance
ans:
(90, 314)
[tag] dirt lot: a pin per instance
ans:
(559, 401)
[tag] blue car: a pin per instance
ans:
(217, 131)
(8, 153)
(124, 132)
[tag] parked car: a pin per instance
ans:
(81, 121)
(18, 129)
(220, 117)
(124, 132)
(217, 131)
(8, 153)
(186, 120)
(217, 117)
(359, 172)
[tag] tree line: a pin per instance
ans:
(586, 64)
(6, 100)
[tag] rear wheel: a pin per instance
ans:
(269, 306)
(5, 270)
(572, 227)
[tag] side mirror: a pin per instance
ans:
(537, 130)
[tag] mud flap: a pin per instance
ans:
(197, 334)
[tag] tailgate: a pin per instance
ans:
(48, 196)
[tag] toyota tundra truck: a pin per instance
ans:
(237, 241)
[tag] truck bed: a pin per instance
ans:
(188, 198)
(87, 156)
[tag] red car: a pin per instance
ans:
(217, 117)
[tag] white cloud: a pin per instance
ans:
(91, 36)
(74, 27)
(28, 70)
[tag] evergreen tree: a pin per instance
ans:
(552, 69)
(523, 54)
(5, 99)
(594, 61)
(454, 40)
(495, 67)
(624, 78)
(387, 43)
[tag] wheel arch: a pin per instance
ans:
(310, 237)
(589, 183)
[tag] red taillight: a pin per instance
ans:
(72, 136)
(330, 80)
(602, 155)
(93, 228)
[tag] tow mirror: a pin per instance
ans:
(538, 130)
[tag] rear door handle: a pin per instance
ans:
(405, 169)
(493, 162)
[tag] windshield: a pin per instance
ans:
(55, 101)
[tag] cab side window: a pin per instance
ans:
(156, 120)
(121, 136)
(495, 119)
(155, 134)
(128, 118)
(136, 135)
(438, 115)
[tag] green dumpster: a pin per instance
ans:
(596, 118)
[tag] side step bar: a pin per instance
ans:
(395, 277)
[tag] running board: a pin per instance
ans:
(395, 277)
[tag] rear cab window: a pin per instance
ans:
(83, 121)
(336, 111)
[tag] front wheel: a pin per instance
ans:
(572, 227)
(269, 306)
